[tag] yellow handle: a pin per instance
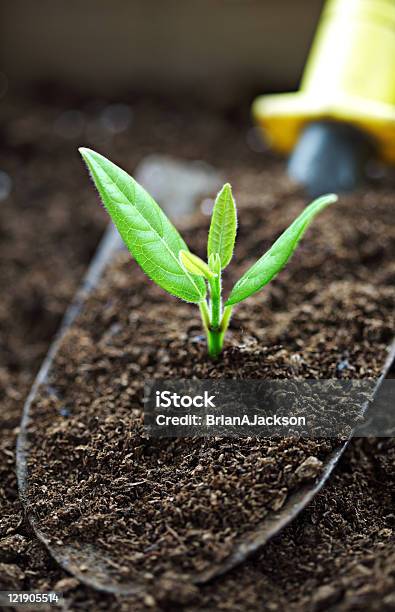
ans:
(354, 51)
(349, 76)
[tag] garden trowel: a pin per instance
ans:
(88, 561)
(344, 112)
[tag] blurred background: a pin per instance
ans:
(219, 51)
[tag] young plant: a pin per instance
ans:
(159, 249)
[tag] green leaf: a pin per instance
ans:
(192, 263)
(148, 234)
(222, 234)
(277, 256)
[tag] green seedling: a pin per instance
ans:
(161, 252)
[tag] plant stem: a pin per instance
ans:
(214, 343)
(214, 321)
(215, 301)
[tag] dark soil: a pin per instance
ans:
(164, 507)
(339, 553)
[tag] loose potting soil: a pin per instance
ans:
(163, 508)
(339, 554)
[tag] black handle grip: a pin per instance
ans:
(330, 157)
